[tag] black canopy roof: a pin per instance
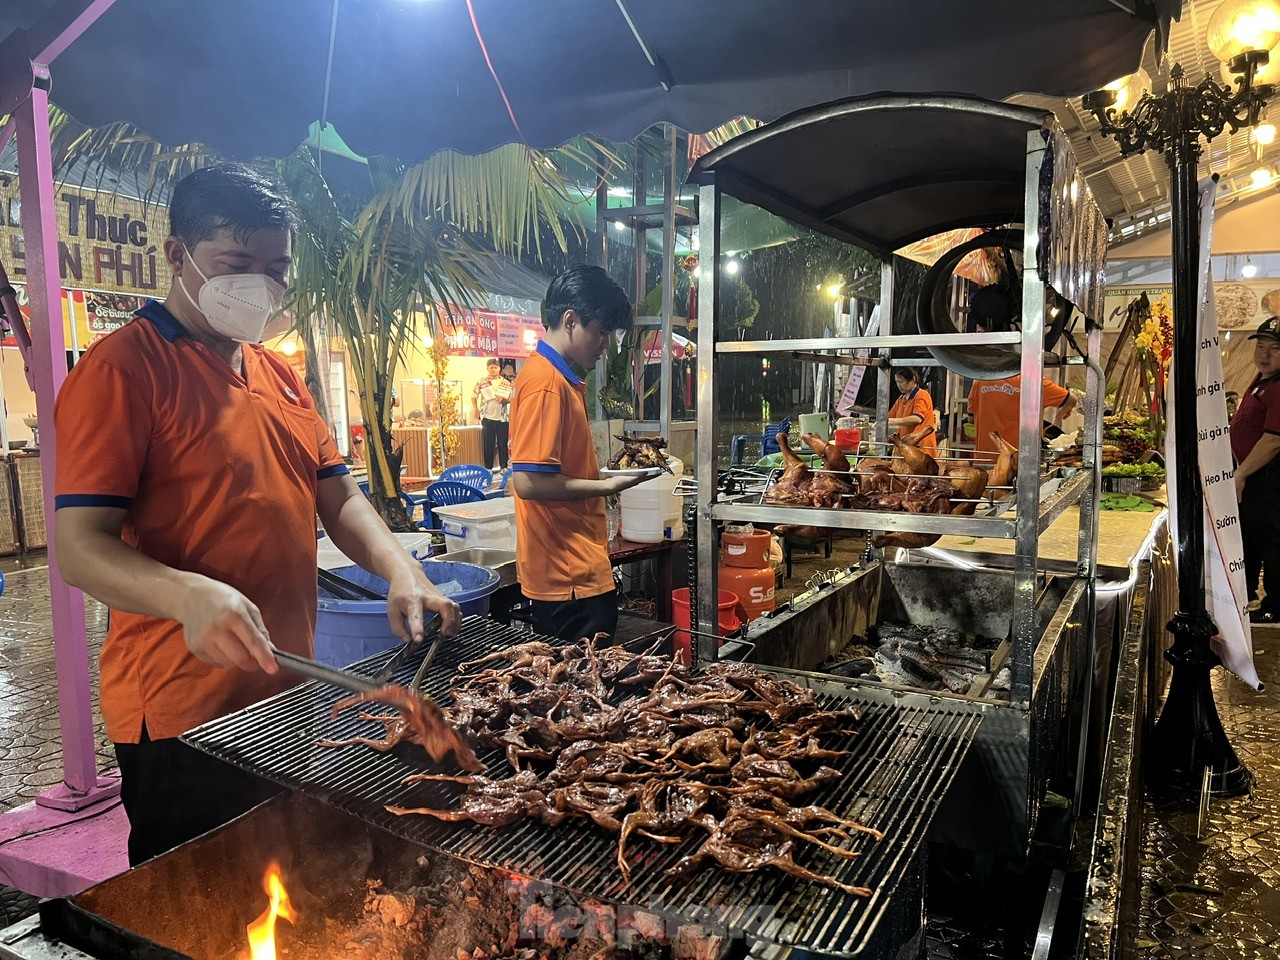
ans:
(409, 77)
(885, 170)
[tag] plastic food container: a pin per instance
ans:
(329, 557)
(490, 525)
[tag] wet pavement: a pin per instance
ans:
(1217, 896)
(30, 734)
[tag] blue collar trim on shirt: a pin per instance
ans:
(912, 394)
(559, 362)
(164, 321)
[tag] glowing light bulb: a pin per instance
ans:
(731, 267)
(289, 348)
(1129, 90)
(833, 291)
(1264, 133)
(1250, 269)
(1240, 26)
(1262, 177)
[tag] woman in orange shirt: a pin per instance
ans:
(913, 409)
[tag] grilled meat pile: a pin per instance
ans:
(641, 452)
(639, 745)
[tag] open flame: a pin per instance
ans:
(262, 932)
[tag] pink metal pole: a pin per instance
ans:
(81, 784)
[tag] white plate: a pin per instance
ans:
(633, 472)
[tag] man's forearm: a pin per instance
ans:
(120, 576)
(1263, 452)
(556, 486)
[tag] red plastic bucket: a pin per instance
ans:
(848, 438)
(731, 616)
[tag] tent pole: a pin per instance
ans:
(81, 785)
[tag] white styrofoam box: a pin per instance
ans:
(491, 524)
(329, 557)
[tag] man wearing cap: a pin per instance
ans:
(1255, 444)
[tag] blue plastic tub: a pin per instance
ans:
(350, 630)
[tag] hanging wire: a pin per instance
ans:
(475, 25)
(328, 79)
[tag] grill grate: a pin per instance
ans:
(903, 761)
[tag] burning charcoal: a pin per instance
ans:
(856, 667)
(397, 909)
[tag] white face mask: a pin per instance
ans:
(236, 305)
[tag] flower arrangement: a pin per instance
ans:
(441, 438)
(1156, 336)
(1154, 346)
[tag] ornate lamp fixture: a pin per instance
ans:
(1188, 737)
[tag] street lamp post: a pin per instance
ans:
(1189, 737)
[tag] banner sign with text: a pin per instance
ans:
(854, 384)
(86, 315)
(485, 333)
(105, 242)
(1226, 594)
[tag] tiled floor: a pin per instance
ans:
(1219, 896)
(30, 736)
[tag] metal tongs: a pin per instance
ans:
(356, 682)
(430, 630)
(315, 670)
(345, 589)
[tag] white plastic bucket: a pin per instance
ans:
(651, 511)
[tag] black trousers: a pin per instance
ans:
(173, 793)
(572, 620)
(1260, 527)
(493, 435)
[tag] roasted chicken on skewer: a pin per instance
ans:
(793, 485)
(1006, 466)
(829, 489)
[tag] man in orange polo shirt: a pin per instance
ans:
(562, 557)
(994, 406)
(191, 468)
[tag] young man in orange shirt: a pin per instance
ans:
(191, 467)
(994, 406)
(562, 557)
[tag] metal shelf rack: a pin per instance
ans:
(881, 172)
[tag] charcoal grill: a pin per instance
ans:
(903, 760)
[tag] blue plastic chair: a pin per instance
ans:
(768, 441)
(450, 493)
(471, 474)
(411, 503)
